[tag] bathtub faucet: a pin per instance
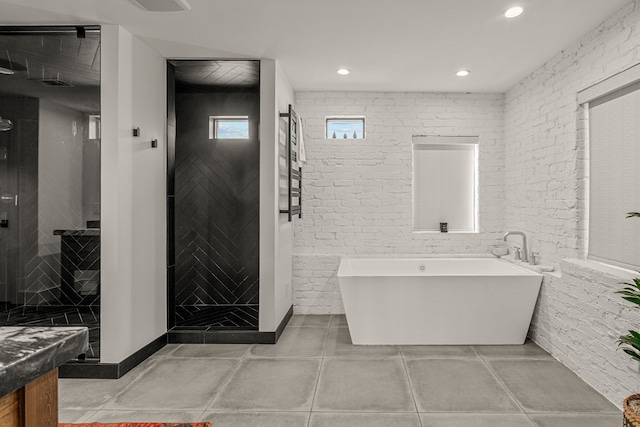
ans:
(525, 258)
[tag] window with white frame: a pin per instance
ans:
(613, 175)
(229, 127)
(345, 128)
(94, 126)
(445, 183)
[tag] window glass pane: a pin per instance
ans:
(94, 127)
(345, 128)
(229, 127)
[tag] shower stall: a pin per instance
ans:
(50, 178)
(213, 200)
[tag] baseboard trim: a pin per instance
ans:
(202, 336)
(283, 324)
(98, 370)
(91, 369)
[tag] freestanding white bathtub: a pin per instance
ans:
(437, 301)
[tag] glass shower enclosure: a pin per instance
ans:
(50, 178)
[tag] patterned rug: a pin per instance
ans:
(207, 424)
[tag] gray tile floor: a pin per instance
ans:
(314, 377)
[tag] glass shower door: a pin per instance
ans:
(8, 290)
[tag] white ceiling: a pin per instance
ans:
(398, 45)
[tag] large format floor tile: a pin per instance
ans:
(117, 416)
(258, 419)
(457, 386)
(475, 420)
(314, 321)
(339, 345)
(339, 321)
(80, 393)
(577, 420)
(166, 350)
(212, 350)
(315, 377)
(529, 350)
(180, 383)
(331, 419)
(548, 386)
(295, 342)
(364, 385)
(74, 415)
(270, 385)
(437, 351)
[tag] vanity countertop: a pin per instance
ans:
(26, 353)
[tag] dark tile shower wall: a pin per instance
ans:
(20, 248)
(217, 192)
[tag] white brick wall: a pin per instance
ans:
(357, 193)
(578, 316)
(578, 319)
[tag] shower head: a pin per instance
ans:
(5, 125)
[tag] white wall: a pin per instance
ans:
(357, 193)
(275, 232)
(133, 252)
(578, 317)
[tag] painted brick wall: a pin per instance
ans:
(357, 193)
(578, 316)
(358, 198)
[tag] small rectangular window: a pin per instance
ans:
(94, 127)
(345, 127)
(229, 127)
(444, 183)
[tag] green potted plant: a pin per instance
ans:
(630, 344)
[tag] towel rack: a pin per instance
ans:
(294, 176)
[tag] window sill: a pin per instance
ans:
(597, 268)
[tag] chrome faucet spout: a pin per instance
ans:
(525, 257)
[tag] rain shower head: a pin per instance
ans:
(5, 125)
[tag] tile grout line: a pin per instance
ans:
(86, 418)
(226, 381)
(115, 396)
(324, 350)
(503, 385)
(413, 394)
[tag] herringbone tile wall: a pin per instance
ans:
(216, 205)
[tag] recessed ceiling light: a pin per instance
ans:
(463, 73)
(343, 71)
(514, 11)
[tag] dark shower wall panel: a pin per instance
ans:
(216, 204)
(21, 237)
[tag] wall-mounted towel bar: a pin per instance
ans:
(294, 175)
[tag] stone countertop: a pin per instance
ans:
(78, 232)
(26, 353)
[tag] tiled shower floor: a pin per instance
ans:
(227, 317)
(64, 315)
(314, 377)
